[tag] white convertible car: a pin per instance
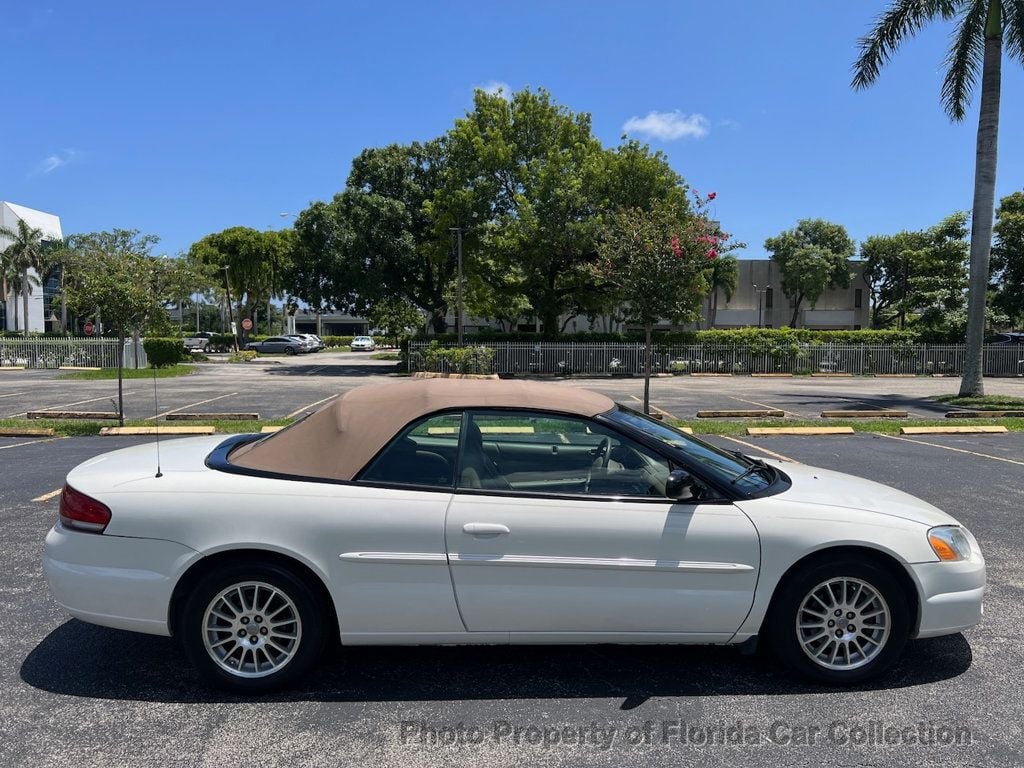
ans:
(441, 511)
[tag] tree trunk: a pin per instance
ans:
(120, 377)
(438, 321)
(796, 311)
(714, 308)
(549, 322)
(647, 368)
(983, 213)
(24, 297)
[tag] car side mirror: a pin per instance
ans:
(679, 485)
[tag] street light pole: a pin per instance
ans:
(231, 314)
(760, 292)
(458, 290)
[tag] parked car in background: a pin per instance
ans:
(279, 344)
(363, 344)
(1010, 337)
(314, 342)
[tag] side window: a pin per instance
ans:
(536, 453)
(424, 453)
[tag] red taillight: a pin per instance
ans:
(81, 512)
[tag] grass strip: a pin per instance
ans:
(170, 372)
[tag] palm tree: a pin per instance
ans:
(724, 276)
(24, 254)
(981, 28)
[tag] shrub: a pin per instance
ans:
(455, 359)
(163, 352)
(244, 356)
(752, 338)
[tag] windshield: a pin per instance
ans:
(744, 474)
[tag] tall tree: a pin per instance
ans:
(722, 277)
(656, 261)
(981, 28)
(379, 238)
(812, 257)
(115, 275)
(257, 263)
(1008, 256)
(537, 167)
(914, 276)
(24, 255)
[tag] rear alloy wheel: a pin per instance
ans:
(289, 350)
(252, 628)
(840, 622)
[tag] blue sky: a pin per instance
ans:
(184, 118)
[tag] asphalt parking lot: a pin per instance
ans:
(288, 386)
(75, 694)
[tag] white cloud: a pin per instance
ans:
(52, 162)
(669, 126)
(497, 88)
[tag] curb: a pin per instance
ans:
(741, 414)
(27, 432)
(864, 414)
(766, 431)
(197, 429)
(978, 430)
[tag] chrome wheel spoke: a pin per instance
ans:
(853, 629)
(238, 633)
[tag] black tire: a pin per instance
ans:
(782, 632)
(289, 350)
(307, 648)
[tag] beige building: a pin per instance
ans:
(760, 301)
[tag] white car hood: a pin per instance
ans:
(824, 487)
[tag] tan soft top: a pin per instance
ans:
(338, 440)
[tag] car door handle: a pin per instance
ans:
(485, 529)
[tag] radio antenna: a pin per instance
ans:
(156, 422)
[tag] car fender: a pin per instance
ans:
(791, 531)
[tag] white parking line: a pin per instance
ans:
(310, 373)
(12, 394)
(190, 405)
(67, 405)
(31, 442)
(759, 449)
(48, 496)
(305, 408)
(951, 448)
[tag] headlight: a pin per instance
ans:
(950, 543)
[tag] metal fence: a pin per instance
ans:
(594, 358)
(69, 352)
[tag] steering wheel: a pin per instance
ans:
(601, 456)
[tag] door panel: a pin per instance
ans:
(591, 565)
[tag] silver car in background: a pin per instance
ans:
(362, 344)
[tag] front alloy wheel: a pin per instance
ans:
(252, 628)
(840, 621)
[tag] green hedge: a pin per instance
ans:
(163, 352)
(455, 359)
(732, 336)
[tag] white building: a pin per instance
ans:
(10, 214)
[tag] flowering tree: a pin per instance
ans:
(656, 263)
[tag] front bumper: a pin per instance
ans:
(951, 595)
(114, 581)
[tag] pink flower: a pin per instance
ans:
(712, 254)
(676, 249)
(712, 195)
